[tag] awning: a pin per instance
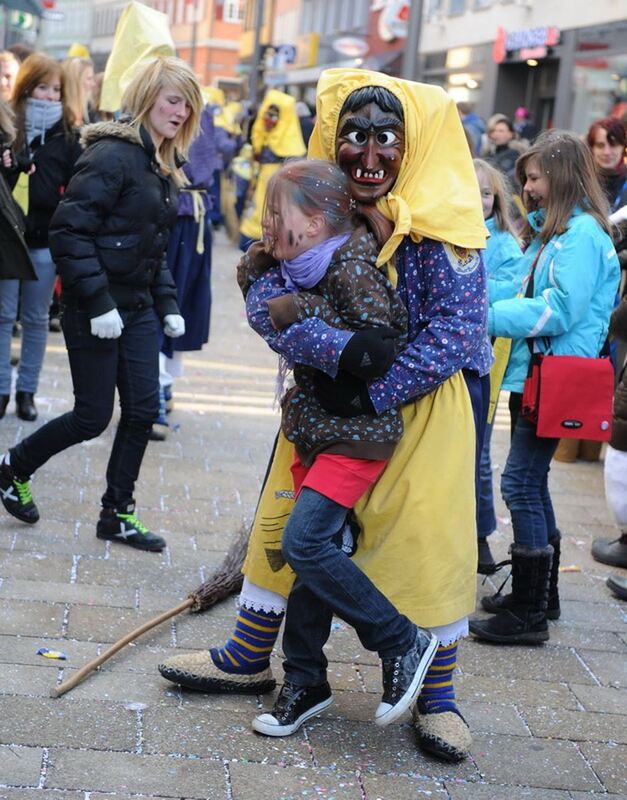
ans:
(30, 6)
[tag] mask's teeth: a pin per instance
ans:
(358, 172)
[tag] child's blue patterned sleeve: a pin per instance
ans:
(311, 342)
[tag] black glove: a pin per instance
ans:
(370, 353)
(346, 396)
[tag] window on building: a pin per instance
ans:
(233, 11)
(434, 7)
(482, 3)
(456, 6)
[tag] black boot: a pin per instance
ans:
(25, 406)
(553, 609)
(486, 564)
(524, 621)
(4, 402)
(497, 602)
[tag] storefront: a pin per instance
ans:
(566, 78)
(599, 74)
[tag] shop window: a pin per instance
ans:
(599, 89)
(434, 8)
(482, 3)
(456, 7)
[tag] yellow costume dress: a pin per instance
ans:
(418, 534)
(270, 149)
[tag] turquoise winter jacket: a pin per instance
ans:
(575, 284)
(502, 256)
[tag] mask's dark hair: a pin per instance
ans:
(373, 94)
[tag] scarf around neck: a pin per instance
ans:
(309, 268)
(41, 115)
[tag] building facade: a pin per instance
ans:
(564, 60)
(206, 34)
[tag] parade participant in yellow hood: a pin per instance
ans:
(275, 136)
(402, 146)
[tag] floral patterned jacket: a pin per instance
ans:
(353, 295)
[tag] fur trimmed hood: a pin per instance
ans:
(119, 129)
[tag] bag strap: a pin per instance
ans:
(529, 293)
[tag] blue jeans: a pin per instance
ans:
(525, 482)
(32, 299)
(329, 582)
(98, 366)
(486, 516)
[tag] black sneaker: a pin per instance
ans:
(126, 528)
(16, 495)
(403, 677)
(294, 705)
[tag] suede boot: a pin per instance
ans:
(524, 621)
(497, 602)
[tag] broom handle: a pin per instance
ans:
(70, 683)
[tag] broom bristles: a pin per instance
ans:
(227, 579)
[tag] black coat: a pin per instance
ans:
(54, 161)
(109, 234)
(14, 258)
(618, 330)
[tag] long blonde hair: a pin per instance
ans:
(33, 70)
(141, 95)
(567, 163)
(502, 196)
(74, 93)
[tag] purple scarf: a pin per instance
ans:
(309, 268)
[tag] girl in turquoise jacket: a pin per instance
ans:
(503, 261)
(565, 310)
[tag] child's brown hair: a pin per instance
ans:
(316, 186)
(567, 163)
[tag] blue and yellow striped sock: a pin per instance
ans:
(248, 650)
(438, 692)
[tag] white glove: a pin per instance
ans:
(173, 325)
(619, 216)
(107, 326)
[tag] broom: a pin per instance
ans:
(226, 580)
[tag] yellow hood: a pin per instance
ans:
(141, 33)
(436, 194)
(285, 139)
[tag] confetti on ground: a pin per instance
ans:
(43, 651)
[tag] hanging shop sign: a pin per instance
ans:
(351, 46)
(519, 43)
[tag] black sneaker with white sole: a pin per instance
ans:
(403, 677)
(16, 495)
(294, 705)
(124, 527)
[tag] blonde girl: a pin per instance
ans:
(502, 258)
(79, 83)
(108, 238)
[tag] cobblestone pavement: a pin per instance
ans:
(549, 723)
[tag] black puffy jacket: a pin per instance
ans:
(109, 234)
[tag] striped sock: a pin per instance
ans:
(248, 650)
(438, 692)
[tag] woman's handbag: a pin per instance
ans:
(569, 397)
